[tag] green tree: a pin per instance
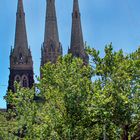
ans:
(117, 90)
(73, 101)
(59, 110)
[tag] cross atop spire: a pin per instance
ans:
(51, 29)
(77, 44)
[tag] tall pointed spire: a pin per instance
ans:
(77, 44)
(21, 53)
(51, 29)
(20, 8)
(21, 64)
(76, 6)
(52, 48)
(20, 34)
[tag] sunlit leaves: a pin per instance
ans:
(73, 101)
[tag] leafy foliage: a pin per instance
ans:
(73, 101)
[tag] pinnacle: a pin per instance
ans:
(75, 6)
(20, 8)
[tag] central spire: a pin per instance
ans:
(77, 44)
(51, 48)
(51, 29)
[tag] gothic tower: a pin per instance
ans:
(51, 48)
(77, 48)
(21, 64)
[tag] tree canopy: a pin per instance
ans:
(73, 101)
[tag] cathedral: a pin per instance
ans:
(21, 63)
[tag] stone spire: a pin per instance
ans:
(51, 48)
(20, 34)
(21, 54)
(51, 29)
(77, 44)
(21, 64)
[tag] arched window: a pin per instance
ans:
(52, 47)
(20, 56)
(17, 78)
(15, 60)
(25, 81)
(26, 60)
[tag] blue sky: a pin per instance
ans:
(103, 21)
